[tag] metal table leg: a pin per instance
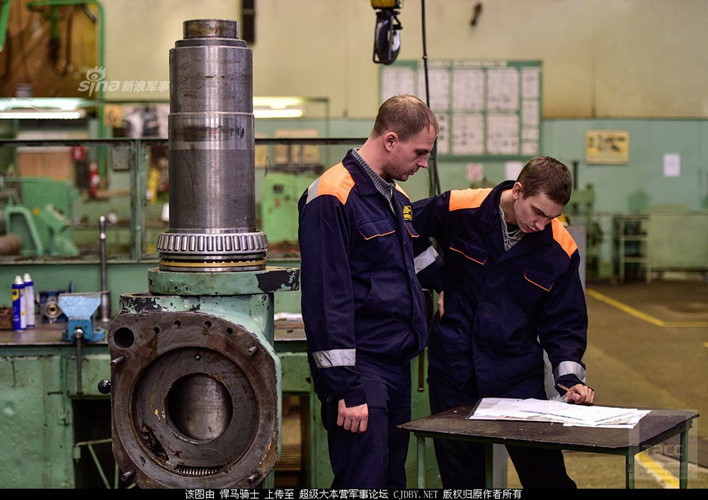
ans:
(489, 464)
(683, 469)
(421, 460)
(629, 470)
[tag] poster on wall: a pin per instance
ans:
(606, 147)
(485, 108)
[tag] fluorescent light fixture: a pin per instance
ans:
(36, 108)
(42, 114)
(39, 108)
(278, 107)
(277, 113)
(278, 102)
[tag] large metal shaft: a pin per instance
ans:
(195, 380)
(211, 154)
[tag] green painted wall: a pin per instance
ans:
(565, 139)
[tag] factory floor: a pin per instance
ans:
(647, 348)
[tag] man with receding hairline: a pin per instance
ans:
(362, 304)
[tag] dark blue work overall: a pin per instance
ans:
(364, 316)
(502, 310)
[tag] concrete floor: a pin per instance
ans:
(647, 348)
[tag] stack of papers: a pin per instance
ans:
(538, 410)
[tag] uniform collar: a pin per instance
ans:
(364, 183)
(382, 185)
(490, 205)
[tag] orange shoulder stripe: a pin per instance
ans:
(335, 181)
(563, 237)
(467, 198)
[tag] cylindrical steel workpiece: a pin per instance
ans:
(211, 153)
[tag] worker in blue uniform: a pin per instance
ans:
(362, 305)
(510, 289)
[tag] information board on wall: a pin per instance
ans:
(485, 108)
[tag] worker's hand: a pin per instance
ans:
(353, 419)
(441, 304)
(580, 394)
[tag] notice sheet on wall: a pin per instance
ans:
(485, 108)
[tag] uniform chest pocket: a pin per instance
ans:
(376, 245)
(464, 250)
(376, 229)
(542, 280)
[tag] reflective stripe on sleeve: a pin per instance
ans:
(335, 357)
(312, 190)
(425, 259)
(570, 368)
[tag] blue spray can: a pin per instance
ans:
(28, 293)
(19, 321)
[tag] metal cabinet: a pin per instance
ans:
(630, 237)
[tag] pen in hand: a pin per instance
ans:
(583, 395)
(567, 393)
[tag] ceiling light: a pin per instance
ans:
(38, 108)
(278, 107)
(42, 114)
(278, 113)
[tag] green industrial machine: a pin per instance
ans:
(281, 191)
(38, 211)
(195, 381)
(205, 362)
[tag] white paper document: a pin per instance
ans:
(538, 410)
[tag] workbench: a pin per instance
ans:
(54, 418)
(654, 428)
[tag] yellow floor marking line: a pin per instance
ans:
(640, 315)
(655, 468)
